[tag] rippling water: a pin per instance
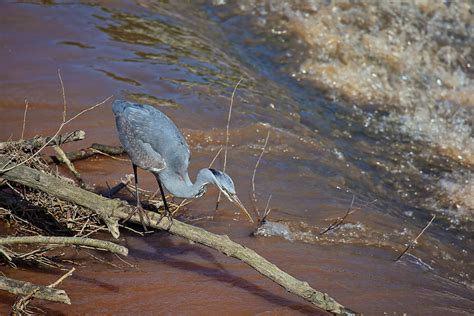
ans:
(364, 100)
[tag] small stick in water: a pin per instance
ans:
(413, 243)
(227, 136)
(338, 222)
(254, 198)
(24, 119)
(215, 157)
(267, 210)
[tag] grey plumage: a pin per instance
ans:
(154, 143)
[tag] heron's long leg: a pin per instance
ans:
(139, 208)
(136, 184)
(167, 210)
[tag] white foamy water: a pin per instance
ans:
(409, 62)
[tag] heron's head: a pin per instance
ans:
(226, 185)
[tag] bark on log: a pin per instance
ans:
(24, 288)
(116, 209)
(38, 142)
(89, 242)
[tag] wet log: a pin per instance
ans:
(116, 209)
(26, 288)
(89, 242)
(39, 142)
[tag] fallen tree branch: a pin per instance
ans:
(116, 209)
(94, 149)
(21, 305)
(38, 142)
(25, 288)
(89, 242)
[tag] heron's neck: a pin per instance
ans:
(182, 187)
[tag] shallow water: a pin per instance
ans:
(325, 146)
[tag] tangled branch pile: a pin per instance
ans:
(27, 211)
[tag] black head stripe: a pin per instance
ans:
(214, 172)
(201, 192)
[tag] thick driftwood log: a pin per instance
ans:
(24, 288)
(116, 209)
(89, 242)
(38, 142)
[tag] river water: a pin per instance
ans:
(362, 101)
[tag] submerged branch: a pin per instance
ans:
(21, 304)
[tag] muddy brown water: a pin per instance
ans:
(181, 58)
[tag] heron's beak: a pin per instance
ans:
(236, 200)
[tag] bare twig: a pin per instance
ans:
(103, 261)
(254, 198)
(4, 252)
(183, 202)
(267, 209)
(215, 157)
(24, 120)
(21, 304)
(227, 137)
(125, 261)
(86, 110)
(64, 95)
(5, 169)
(413, 243)
(64, 123)
(66, 275)
(338, 222)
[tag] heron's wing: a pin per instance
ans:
(140, 152)
(162, 138)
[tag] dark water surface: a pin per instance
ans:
(325, 146)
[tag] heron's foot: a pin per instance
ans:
(142, 214)
(169, 216)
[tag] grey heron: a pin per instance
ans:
(154, 143)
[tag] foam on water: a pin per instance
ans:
(410, 63)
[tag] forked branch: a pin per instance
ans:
(116, 209)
